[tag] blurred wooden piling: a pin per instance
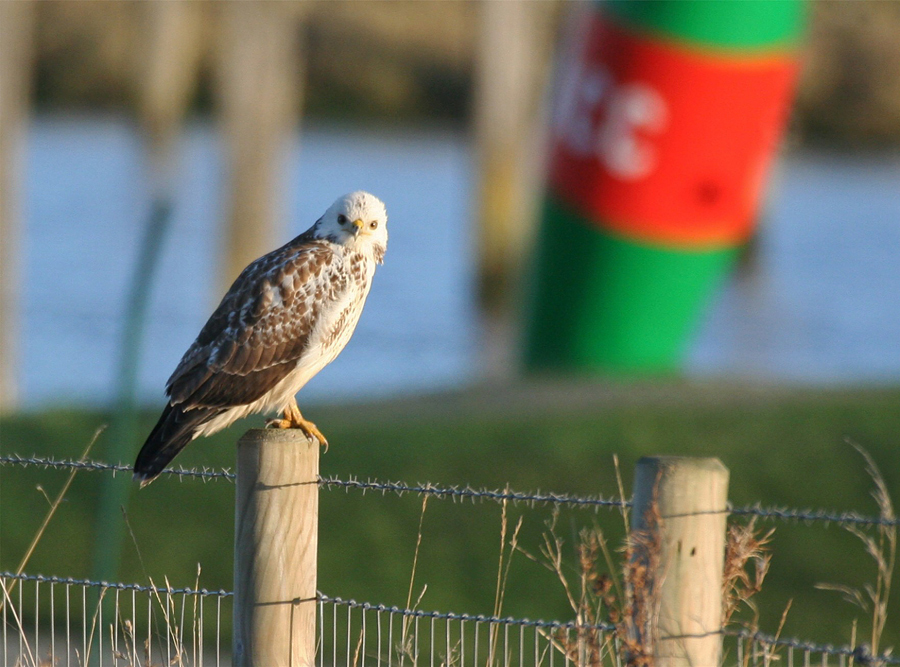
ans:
(276, 542)
(512, 60)
(258, 84)
(168, 72)
(680, 508)
(16, 30)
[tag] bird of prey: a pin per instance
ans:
(285, 318)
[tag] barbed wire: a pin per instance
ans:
(811, 516)
(94, 466)
(469, 493)
(473, 494)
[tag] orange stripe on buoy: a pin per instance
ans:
(659, 142)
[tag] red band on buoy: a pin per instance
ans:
(659, 142)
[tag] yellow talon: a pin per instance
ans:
(294, 419)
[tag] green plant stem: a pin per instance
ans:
(114, 493)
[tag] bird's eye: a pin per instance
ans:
(342, 219)
(373, 224)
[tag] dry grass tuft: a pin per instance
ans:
(747, 561)
(54, 505)
(624, 593)
(502, 574)
(744, 546)
(595, 599)
(605, 592)
(405, 648)
(882, 548)
(642, 558)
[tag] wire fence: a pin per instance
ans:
(54, 621)
(65, 622)
(467, 493)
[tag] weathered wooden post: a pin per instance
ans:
(680, 508)
(275, 544)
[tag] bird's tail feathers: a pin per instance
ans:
(174, 430)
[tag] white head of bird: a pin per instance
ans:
(357, 220)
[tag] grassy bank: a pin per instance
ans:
(783, 447)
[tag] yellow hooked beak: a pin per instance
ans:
(358, 224)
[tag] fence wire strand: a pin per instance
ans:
(115, 586)
(463, 493)
(861, 654)
(468, 493)
(140, 633)
(450, 616)
(114, 468)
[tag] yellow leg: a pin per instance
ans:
(294, 419)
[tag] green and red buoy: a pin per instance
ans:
(668, 115)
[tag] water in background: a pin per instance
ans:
(820, 301)
(818, 304)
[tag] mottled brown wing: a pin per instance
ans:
(260, 329)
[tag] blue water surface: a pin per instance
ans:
(819, 302)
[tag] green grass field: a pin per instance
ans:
(783, 447)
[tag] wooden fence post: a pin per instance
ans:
(684, 587)
(275, 543)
